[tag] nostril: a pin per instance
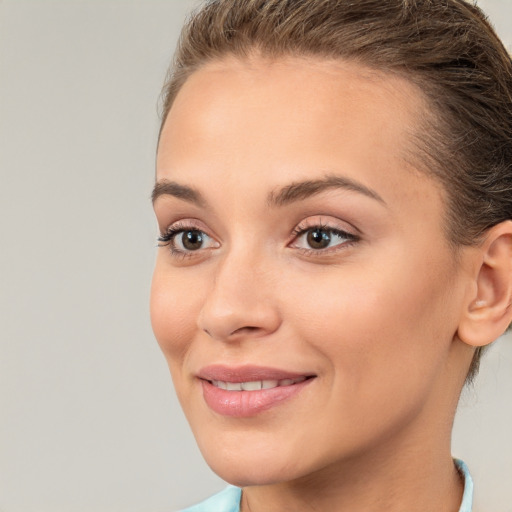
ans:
(241, 330)
(247, 329)
(222, 320)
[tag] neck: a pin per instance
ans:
(418, 487)
(392, 479)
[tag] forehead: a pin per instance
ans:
(269, 122)
(257, 75)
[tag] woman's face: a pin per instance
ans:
(305, 296)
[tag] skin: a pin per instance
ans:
(375, 319)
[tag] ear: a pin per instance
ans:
(488, 311)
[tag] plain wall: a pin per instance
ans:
(88, 418)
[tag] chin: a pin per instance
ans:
(251, 473)
(252, 464)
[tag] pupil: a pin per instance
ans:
(318, 239)
(192, 240)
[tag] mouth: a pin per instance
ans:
(248, 391)
(256, 385)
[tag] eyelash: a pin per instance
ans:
(167, 238)
(303, 229)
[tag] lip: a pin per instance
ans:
(244, 404)
(247, 373)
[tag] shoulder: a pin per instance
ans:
(227, 500)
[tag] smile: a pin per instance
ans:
(248, 391)
(255, 385)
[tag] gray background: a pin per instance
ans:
(88, 420)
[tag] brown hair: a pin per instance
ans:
(446, 47)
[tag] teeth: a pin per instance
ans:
(255, 385)
(252, 386)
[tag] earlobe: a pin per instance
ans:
(488, 311)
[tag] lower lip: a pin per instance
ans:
(243, 404)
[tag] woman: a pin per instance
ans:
(334, 200)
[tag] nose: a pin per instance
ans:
(240, 302)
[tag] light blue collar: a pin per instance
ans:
(467, 497)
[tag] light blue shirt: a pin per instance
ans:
(228, 500)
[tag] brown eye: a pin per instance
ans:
(321, 239)
(318, 238)
(182, 240)
(192, 240)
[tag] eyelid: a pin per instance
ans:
(334, 227)
(167, 237)
(329, 223)
(182, 222)
(173, 229)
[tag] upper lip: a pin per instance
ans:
(247, 373)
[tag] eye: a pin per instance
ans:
(321, 238)
(191, 240)
(185, 240)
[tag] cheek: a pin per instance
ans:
(173, 311)
(378, 324)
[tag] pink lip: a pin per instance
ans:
(243, 404)
(246, 373)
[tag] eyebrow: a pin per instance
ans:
(281, 197)
(171, 188)
(304, 189)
